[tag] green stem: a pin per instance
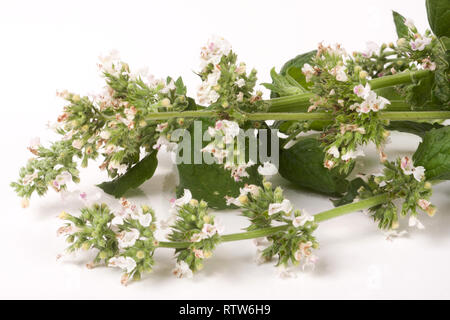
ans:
(386, 115)
(300, 102)
(320, 217)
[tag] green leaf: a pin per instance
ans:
(417, 128)
(211, 182)
(438, 12)
(133, 178)
(434, 154)
(441, 89)
(302, 164)
(283, 85)
(293, 68)
(399, 21)
(352, 192)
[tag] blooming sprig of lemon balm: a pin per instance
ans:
(325, 107)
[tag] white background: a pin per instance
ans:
(50, 45)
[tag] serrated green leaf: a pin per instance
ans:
(302, 164)
(400, 27)
(296, 65)
(133, 178)
(283, 85)
(438, 12)
(211, 182)
(434, 154)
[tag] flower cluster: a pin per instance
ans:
(399, 179)
(225, 146)
(194, 225)
(294, 242)
(115, 124)
(226, 86)
(342, 89)
(122, 239)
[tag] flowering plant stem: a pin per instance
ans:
(386, 115)
(325, 215)
(278, 104)
(298, 104)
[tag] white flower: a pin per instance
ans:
(308, 71)
(125, 263)
(62, 179)
(215, 48)
(185, 199)
(427, 64)
(240, 97)
(419, 44)
(362, 91)
(121, 168)
(339, 73)
(414, 222)
(409, 23)
(88, 200)
(329, 164)
(168, 87)
(284, 206)
(160, 127)
(145, 219)
(128, 238)
(300, 221)
(334, 151)
(35, 143)
(249, 188)
(239, 171)
(197, 237)
(267, 169)
(29, 178)
(235, 201)
(163, 143)
(117, 221)
(408, 168)
(228, 129)
(105, 134)
(77, 144)
(352, 154)
(424, 204)
(110, 63)
(182, 270)
(199, 253)
(406, 165)
(419, 173)
(209, 230)
(240, 83)
(372, 48)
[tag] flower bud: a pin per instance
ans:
(203, 204)
(25, 203)
(103, 255)
(427, 185)
(76, 98)
(85, 246)
(63, 215)
(165, 102)
(401, 42)
(140, 254)
(431, 210)
(243, 199)
(363, 75)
